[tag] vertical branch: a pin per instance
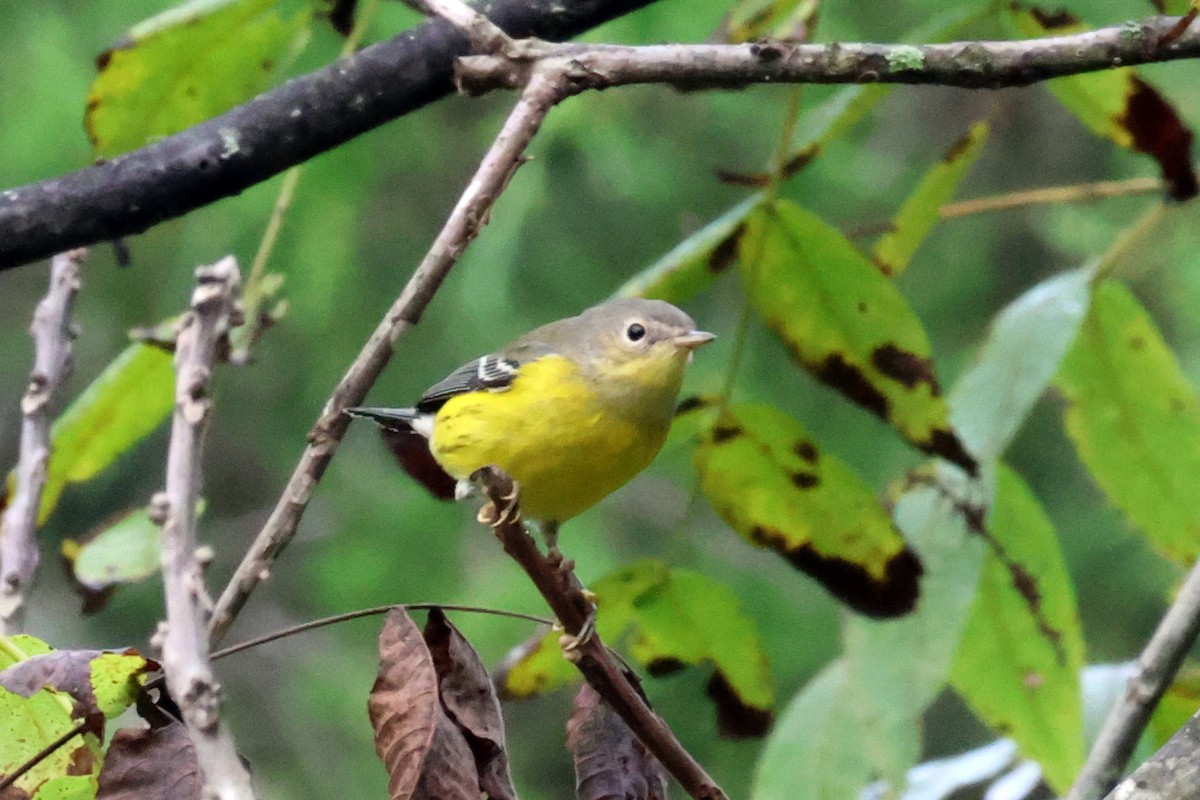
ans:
(1156, 668)
(52, 337)
(184, 640)
(470, 214)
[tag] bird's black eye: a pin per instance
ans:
(635, 332)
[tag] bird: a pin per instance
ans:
(572, 410)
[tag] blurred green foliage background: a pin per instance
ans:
(616, 179)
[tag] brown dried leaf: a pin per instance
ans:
(610, 762)
(68, 671)
(150, 764)
(425, 754)
(469, 697)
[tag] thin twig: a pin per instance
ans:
(195, 167)
(1156, 667)
(184, 641)
(464, 223)
(52, 356)
(368, 612)
(555, 579)
(1024, 198)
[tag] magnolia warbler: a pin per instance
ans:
(572, 410)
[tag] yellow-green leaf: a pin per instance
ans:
(1022, 651)
(115, 680)
(764, 475)
(846, 323)
(1135, 421)
(133, 395)
(922, 209)
(674, 617)
(1117, 104)
(751, 20)
(693, 263)
(186, 65)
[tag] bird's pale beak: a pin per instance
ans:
(693, 339)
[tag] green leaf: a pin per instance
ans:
(696, 261)
(126, 551)
(816, 749)
(897, 668)
(1027, 342)
(693, 263)
(766, 478)
(751, 20)
(29, 724)
(115, 680)
(1116, 103)
(846, 323)
(674, 617)
(1022, 650)
(186, 65)
(133, 395)
(922, 209)
(1135, 421)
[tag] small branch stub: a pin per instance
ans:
(203, 334)
(53, 334)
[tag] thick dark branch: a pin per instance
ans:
(250, 143)
(319, 111)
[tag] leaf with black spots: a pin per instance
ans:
(921, 210)
(610, 762)
(1135, 421)
(1022, 649)
(425, 754)
(674, 618)
(764, 475)
(151, 764)
(1118, 105)
(102, 683)
(470, 699)
(186, 65)
(28, 724)
(846, 323)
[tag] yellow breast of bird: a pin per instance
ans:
(552, 433)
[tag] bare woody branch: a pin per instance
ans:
(968, 65)
(484, 35)
(463, 225)
(1156, 667)
(53, 335)
(1171, 774)
(196, 167)
(277, 130)
(555, 579)
(184, 642)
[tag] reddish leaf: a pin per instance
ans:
(469, 697)
(425, 754)
(1158, 132)
(150, 764)
(610, 762)
(411, 449)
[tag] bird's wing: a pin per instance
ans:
(492, 372)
